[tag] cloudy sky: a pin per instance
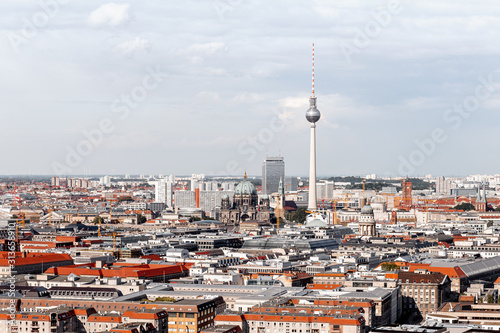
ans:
(97, 87)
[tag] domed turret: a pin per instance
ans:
(367, 221)
(367, 210)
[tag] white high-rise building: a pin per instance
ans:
(444, 186)
(164, 191)
(227, 186)
(105, 181)
(324, 190)
(209, 200)
(185, 199)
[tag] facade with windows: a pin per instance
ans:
(190, 316)
(273, 170)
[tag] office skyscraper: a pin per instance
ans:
(273, 169)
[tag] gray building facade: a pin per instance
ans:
(273, 169)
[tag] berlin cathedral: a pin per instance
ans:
(246, 206)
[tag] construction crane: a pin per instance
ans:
(364, 198)
(20, 219)
(50, 216)
(346, 202)
(278, 211)
(99, 230)
(23, 219)
(334, 211)
(111, 208)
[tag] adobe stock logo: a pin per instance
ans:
(122, 107)
(32, 26)
(382, 18)
(454, 117)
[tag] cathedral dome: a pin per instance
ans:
(367, 209)
(245, 187)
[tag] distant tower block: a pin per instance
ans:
(406, 198)
(312, 116)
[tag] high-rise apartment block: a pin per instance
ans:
(164, 192)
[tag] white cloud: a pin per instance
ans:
(216, 71)
(208, 96)
(110, 14)
(131, 46)
(196, 53)
(248, 98)
(213, 142)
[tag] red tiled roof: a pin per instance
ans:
(119, 270)
(323, 286)
(31, 258)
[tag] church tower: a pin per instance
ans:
(481, 202)
(367, 225)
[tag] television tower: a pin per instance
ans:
(312, 116)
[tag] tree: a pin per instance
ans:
(465, 206)
(141, 219)
(124, 199)
(389, 266)
(282, 221)
(497, 209)
(165, 299)
(299, 216)
(98, 220)
(489, 298)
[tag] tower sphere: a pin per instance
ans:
(313, 114)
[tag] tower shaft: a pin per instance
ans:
(312, 203)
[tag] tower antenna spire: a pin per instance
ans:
(313, 70)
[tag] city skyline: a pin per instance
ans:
(219, 85)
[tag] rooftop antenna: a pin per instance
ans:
(313, 70)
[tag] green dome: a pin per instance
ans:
(245, 187)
